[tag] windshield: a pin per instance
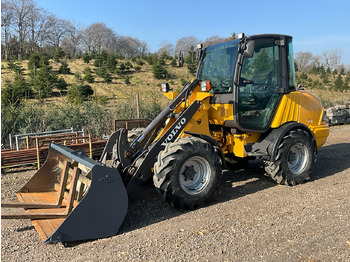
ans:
(217, 66)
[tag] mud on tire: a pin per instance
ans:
(186, 173)
(294, 159)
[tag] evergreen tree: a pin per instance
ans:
(61, 84)
(79, 93)
(15, 91)
(159, 71)
(127, 80)
(59, 54)
(111, 62)
(34, 62)
(338, 83)
(102, 72)
(173, 62)
(88, 77)
(191, 61)
(64, 68)
(86, 58)
(43, 82)
(44, 61)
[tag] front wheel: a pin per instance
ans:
(187, 172)
(294, 159)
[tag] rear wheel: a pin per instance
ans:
(187, 172)
(294, 160)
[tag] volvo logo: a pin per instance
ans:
(173, 132)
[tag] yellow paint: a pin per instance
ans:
(288, 110)
(171, 95)
(298, 106)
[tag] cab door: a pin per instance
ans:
(258, 81)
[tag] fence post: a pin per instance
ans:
(138, 105)
(27, 141)
(17, 146)
(10, 138)
(37, 151)
(90, 146)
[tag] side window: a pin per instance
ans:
(258, 81)
(291, 64)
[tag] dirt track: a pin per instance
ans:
(250, 219)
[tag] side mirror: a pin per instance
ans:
(249, 49)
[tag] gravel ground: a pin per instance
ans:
(250, 219)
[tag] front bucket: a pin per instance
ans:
(72, 197)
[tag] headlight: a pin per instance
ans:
(205, 86)
(164, 87)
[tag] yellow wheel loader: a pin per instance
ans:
(243, 104)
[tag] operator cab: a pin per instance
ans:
(251, 73)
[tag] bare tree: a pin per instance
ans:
(305, 60)
(57, 30)
(331, 58)
(6, 21)
(22, 10)
(39, 25)
(129, 46)
(186, 43)
(215, 40)
(167, 48)
(98, 37)
(72, 41)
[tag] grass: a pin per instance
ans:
(143, 83)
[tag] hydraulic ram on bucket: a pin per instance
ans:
(72, 197)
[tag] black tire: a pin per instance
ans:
(294, 159)
(187, 172)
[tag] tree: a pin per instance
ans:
(6, 22)
(72, 40)
(128, 46)
(159, 71)
(166, 48)
(111, 62)
(61, 84)
(331, 58)
(338, 83)
(79, 93)
(216, 40)
(86, 58)
(102, 72)
(59, 54)
(58, 29)
(191, 61)
(99, 37)
(34, 62)
(305, 61)
(14, 92)
(43, 82)
(64, 68)
(21, 10)
(185, 44)
(88, 77)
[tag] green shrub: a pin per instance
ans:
(64, 68)
(159, 71)
(86, 58)
(79, 93)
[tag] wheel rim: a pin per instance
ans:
(297, 158)
(195, 175)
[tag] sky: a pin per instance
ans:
(316, 25)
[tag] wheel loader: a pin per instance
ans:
(243, 104)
